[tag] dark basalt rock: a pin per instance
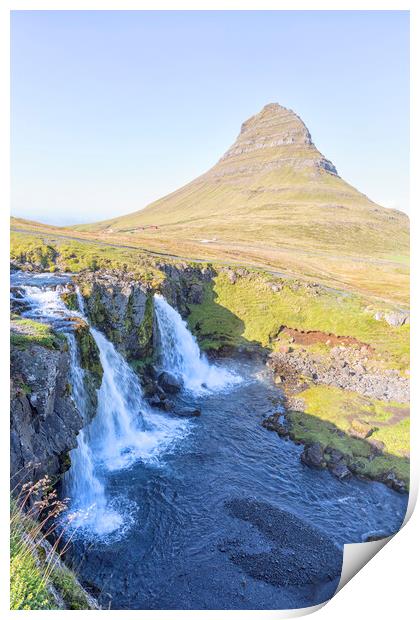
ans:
(44, 421)
(313, 456)
(169, 382)
(187, 412)
(18, 303)
(393, 482)
(272, 423)
(166, 404)
(340, 470)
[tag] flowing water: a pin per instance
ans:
(82, 483)
(123, 430)
(201, 513)
(180, 353)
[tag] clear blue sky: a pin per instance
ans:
(113, 109)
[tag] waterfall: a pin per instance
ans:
(124, 428)
(180, 353)
(83, 486)
(123, 431)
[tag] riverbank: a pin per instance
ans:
(352, 416)
(313, 338)
(159, 475)
(341, 363)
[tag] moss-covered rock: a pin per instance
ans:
(89, 352)
(145, 333)
(122, 308)
(25, 333)
(70, 300)
(74, 596)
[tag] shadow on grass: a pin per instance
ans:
(219, 330)
(362, 456)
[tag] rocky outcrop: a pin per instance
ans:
(122, 308)
(44, 420)
(273, 138)
(69, 297)
(90, 362)
(395, 319)
(344, 367)
(169, 383)
(185, 284)
(313, 456)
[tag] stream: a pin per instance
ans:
(212, 512)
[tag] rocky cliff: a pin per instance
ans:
(185, 284)
(44, 419)
(272, 139)
(122, 307)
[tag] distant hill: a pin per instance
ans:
(275, 201)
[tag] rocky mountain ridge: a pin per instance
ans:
(281, 134)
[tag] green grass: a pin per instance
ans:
(31, 573)
(26, 332)
(340, 407)
(396, 437)
(35, 567)
(328, 417)
(308, 429)
(30, 250)
(28, 588)
(380, 466)
(75, 256)
(214, 325)
(249, 311)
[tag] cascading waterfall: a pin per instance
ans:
(82, 483)
(123, 431)
(180, 353)
(124, 428)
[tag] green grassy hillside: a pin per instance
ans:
(273, 200)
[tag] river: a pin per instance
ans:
(213, 512)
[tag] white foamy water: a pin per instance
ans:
(123, 430)
(82, 483)
(180, 353)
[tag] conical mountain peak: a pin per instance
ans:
(276, 125)
(272, 198)
(274, 138)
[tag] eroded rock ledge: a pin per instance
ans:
(345, 367)
(122, 308)
(44, 419)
